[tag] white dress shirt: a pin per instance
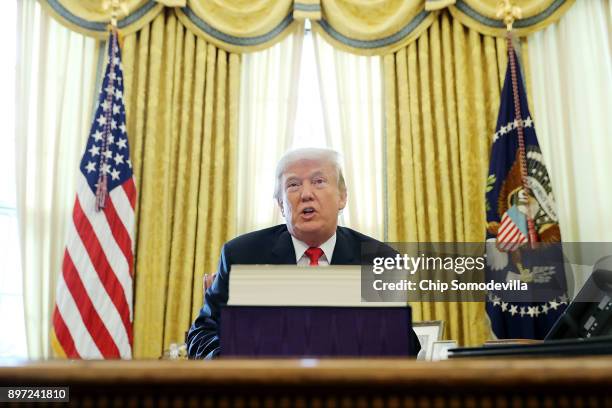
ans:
(301, 247)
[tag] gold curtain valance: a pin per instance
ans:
(480, 15)
(234, 25)
(382, 26)
(89, 17)
(359, 26)
(372, 27)
(239, 25)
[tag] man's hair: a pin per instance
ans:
(308, 153)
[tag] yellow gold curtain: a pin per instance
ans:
(372, 28)
(481, 15)
(91, 18)
(384, 26)
(442, 97)
(238, 25)
(234, 25)
(181, 96)
(357, 26)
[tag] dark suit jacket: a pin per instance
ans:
(271, 246)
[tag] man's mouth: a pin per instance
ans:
(308, 212)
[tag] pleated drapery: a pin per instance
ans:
(361, 27)
(234, 25)
(442, 85)
(572, 115)
(442, 97)
(182, 110)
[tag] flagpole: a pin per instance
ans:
(511, 13)
(116, 7)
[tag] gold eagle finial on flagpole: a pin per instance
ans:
(117, 8)
(509, 13)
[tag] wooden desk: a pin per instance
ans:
(575, 382)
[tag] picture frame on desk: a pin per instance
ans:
(439, 349)
(428, 332)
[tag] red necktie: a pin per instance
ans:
(314, 254)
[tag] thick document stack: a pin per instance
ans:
(290, 285)
(290, 311)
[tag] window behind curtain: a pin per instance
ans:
(12, 339)
(288, 101)
(309, 129)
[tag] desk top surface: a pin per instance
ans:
(574, 371)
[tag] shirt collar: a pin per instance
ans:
(327, 247)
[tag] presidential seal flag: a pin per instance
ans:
(523, 236)
(92, 318)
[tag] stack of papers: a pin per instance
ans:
(290, 285)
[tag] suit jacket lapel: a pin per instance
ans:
(283, 252)
(343, 252)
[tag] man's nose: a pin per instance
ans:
(306, 192)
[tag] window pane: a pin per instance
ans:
(12, 338)
(8, 48)
(309, 125)
(12, 341)
(10, 264)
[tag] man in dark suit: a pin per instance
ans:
(310, 191)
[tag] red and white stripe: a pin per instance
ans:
(509, 236)
(93, 313)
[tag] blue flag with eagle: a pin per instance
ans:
(522, 229)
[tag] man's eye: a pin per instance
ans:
(318, 181)
(292, 185)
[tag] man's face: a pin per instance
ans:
(311, 200)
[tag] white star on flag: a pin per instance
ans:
(105, 168)
(115, 174)
(94, 150)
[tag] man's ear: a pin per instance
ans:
(280, 205)
(343, 199)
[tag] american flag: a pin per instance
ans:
(512, 233)
(93, 312)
